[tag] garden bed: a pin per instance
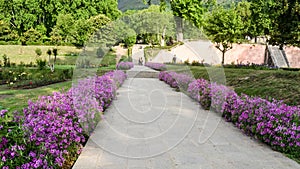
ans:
(51, 131)
(21, 78)
(269, 121)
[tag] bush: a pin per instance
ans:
(272, 122)
(54, 128)
(156, 66)
(38, 52)
(6, 61)
(41, 63)
(125, 65)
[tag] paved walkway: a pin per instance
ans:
(150, 126)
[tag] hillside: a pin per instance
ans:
(124, 5)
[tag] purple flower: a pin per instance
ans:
(3, 112)
(156, 66)
(125, 65)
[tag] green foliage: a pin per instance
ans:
(151, 25)
(41, 63)
(5, 30)
(244, 11)
(6, 61)
(38, 52)
(224, 27)
(125, 59)
(109, 59)
(285, 16)
(49, 52)
(31, 78)
(30, 36)
(18, 17)
(114, 33)
(100, 52)
(130, 39)
(55, 53)
(191, 10)
(260, 17)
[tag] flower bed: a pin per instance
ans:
(176, 80)
(22, 78)
(53, 129)
(125, 65)
(156, 66)
(272, 122)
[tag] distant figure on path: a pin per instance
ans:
(140, 61)
(174, 59)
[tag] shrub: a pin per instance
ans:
(125, 65)
(6, 61)
(272, 122)
(38, 52)
(156, 66)
(54, 128)
(200, 91)
(41, 63)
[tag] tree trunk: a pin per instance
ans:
(49, 62)
(223, 56)
(162, 42)
(52, 67)
(179, 28)
(255, 39)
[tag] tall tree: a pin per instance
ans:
(151, 24)
(191, 10)
(261, 23)
(243, 10)
(224, 27)
(285, 16)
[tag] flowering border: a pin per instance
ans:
(272, 122)
(54, 128)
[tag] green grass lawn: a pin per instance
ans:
(26, 54)
(278, 84)
(18, 99)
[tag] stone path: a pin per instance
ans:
(151, 126)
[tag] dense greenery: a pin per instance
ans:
(56, 20)
(224, 27)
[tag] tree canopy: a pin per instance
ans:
(224, 27)
(46, 16)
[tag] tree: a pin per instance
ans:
(49, 52)
(224, 27)
(285, 16)
(55, 53)
(190, 10)
(22, 15)
(4, 30)
(261, 23)
(243, 10)
(151, 25)
(31, 36)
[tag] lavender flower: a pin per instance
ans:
(156, 66)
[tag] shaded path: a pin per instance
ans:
(150, 126)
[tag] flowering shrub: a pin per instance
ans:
(125, 65)
(55, 127)
(200, 90)
(156, 66)
(176, 80)
(272, 122)
(167, 77)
